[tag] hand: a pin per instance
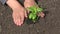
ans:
(18, 16)
(29, 3)
(18, 12)
(41, 14)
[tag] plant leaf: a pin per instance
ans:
(30, 15)
(31, 9)
(34, 17)
(39, 9)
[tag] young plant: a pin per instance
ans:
(33, 12)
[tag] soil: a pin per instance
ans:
(48, 25)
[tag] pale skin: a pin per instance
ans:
(19, 11)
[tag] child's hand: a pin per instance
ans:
(18, 16)
(18, 12)
(29, 3)
(41, 14)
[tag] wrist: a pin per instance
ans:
(14, 4)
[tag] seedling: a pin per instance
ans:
(33, 13)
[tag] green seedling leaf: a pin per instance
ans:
(31, 9)
(34, 17)
(39, 9)
(34, 10)
(30, 15)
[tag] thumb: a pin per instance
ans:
(25, 14)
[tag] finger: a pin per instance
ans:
(28, 11)
(25, 14)
(41, 14)
(16, 20)
(22, 17)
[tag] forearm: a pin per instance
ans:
(13, 4)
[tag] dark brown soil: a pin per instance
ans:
(48, 25)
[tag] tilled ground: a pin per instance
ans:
(49, 25)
